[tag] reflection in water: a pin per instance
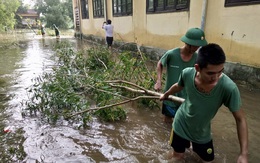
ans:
(141, 138)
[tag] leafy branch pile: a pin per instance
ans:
(92, 82)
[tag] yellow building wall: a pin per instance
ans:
(158, 30)
(236, 29)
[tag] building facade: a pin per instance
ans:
(233, 24)
(29, 18)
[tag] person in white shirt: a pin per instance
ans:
(109, 32)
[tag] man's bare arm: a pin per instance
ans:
(159, 70)
(173, 89)
(242, 132)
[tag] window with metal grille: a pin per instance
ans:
(122, 7)
(240, 2)
(153, 6)
(98, 8)
(84, 9)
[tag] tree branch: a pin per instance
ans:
(152, 95)
(116, 104)
(143, 90)
(126, 82)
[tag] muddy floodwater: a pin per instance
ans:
(141, 138)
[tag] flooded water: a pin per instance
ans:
(143, 137)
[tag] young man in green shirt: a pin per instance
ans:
(207, 88)
(175, 60)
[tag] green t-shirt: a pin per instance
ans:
(193, 118)
(174, 65)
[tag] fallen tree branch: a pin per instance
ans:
(126, 82)
(116, 104)
(143, 90)
(141, 54)
(154, 95)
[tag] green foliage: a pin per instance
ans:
(57, 12)
(22, 8)
(79, 83)
(11, 146)
(112, 114)
(7, 11)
